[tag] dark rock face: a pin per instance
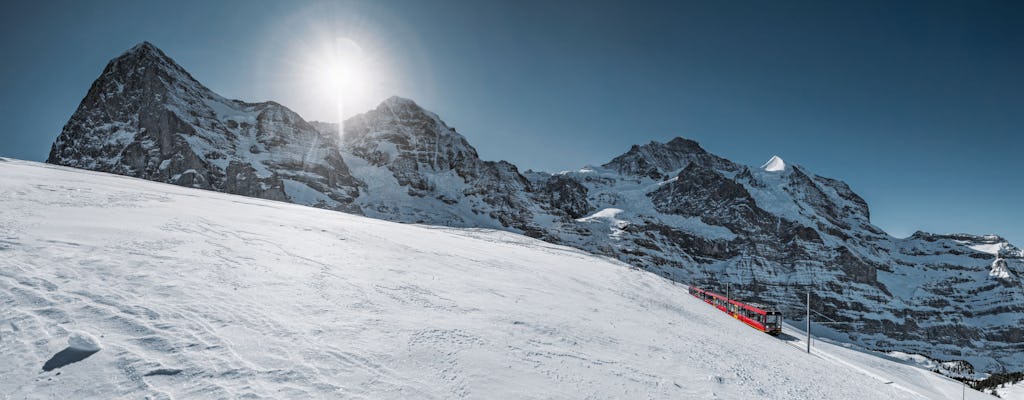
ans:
(773, 235)
(436, 165)
(671, 208)
(146, 117)
(567, 195)
(702, 192)
(656, 160)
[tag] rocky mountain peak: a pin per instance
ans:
(144, 50)
(400, 128)
(404, 111)
(145, 116)
(400, 102)
(147, 65)
(658, 161)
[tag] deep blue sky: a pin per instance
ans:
(919, 106)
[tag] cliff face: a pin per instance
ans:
(770, 233)
(145, 116)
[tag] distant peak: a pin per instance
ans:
(774, 164)
(678, 142)
(676, 145)
(144, 50)
(396, 101)
(144, 46)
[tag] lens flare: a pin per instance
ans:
(330, 60)
(339, 73)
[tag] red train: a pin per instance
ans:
(763, 318)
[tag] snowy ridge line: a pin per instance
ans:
(686, 214)
(242, 297)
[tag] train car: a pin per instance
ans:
(758, 316)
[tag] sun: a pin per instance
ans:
(329, 63)
(342, 68)
(338, 73)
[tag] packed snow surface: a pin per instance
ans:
(1013, 391)
(990, 248)
(198, 294)
(774, 164)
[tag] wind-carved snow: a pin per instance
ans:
(774, 164)
(990, 248)
(608, 216)
(199, 294)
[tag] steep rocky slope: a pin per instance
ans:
(145, 116)
(769, 234)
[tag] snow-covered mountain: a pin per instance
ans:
(418, 169)
(115, 287)
(145, 116)
(771, 234)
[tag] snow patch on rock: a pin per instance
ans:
(999, 269)
(990, 248)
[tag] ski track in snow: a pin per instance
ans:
(196, 294)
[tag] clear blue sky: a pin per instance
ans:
(918, 105)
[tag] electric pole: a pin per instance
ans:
(808, 321)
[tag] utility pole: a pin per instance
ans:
(726, 276)
(808, 321)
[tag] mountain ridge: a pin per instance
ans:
(670, 208)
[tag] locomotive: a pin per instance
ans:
(764, 318)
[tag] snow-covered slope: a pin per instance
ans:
(671, 208)
(196, 294)
(1011, 391)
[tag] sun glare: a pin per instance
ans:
(329, 61)
(339, 74)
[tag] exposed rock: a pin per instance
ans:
(146, 117)
(672, 208)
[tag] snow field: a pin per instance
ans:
(196, 294)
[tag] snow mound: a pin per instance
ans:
(999, 269)
(607, 213)
(774, 164)
(83, 341)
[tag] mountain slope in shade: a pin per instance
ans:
(675, 209)
(248, 298)
(145, 116)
